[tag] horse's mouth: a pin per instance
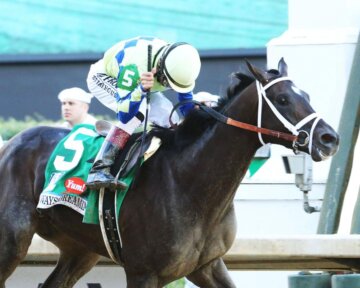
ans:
(321, 154)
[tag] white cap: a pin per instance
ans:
(75, 93)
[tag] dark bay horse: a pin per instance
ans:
(178, 218)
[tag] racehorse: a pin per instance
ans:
(178, 217)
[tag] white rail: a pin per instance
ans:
(298, 252)
(295, 252)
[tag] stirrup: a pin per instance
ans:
(115, 185)
(112, 185)
(96, 185)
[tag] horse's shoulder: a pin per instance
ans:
(39, 137)
(47, 132)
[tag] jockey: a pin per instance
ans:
(121, 80)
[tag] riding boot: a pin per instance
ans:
(100, 175)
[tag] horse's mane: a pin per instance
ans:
(197, 121)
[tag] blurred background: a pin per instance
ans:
(46, 46)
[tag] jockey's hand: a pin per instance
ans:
(147, 79)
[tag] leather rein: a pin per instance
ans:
(229, 121)
(294, 137)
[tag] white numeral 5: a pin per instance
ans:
(127, 80)
(72, 144)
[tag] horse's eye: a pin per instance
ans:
(282, 99)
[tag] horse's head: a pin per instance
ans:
(285, 108)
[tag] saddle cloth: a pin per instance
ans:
(67, 170)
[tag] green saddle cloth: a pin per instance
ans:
(67, 170)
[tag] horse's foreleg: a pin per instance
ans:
(212, 275)
(142, 281)
(72, 265)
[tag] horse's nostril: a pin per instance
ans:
(328, 138)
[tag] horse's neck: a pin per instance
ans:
(218, 161)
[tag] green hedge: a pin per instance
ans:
(10, 127)
(177, 284)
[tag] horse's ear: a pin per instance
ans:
(259, 74)
(282, 67)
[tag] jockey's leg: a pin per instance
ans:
(100, 175)
(114, 142)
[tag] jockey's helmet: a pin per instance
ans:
(178, 67)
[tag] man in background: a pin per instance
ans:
(75, 104)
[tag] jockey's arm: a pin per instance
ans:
(128, 105)
(186, 108)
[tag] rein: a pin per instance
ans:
(229, 121)
(261, 90)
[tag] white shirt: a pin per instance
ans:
(89, 119)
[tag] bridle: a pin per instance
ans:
(294, 129)
(261, 91)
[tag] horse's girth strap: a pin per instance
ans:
(277, 134)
